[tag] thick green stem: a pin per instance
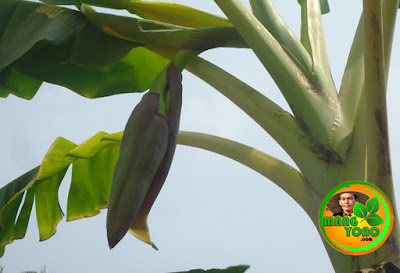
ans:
(368, 156)
(159, 86)
(312, 37)
(350, 93)
(267, 14)
(377, 146)
(378, 167)
(183, 57)
(283, 175)
(308, 102)
(389, 13)
(309, 154)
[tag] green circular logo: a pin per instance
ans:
(355, 218)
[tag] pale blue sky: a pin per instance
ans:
(212, 212)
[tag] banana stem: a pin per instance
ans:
(268, 15)
(309, 103)
(375, 92)
(389, 13)
(183, 57)
(313, 39)
(350, 93)
(307, 151)
(283, 175)
(160, 84)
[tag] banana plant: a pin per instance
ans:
(332, 135)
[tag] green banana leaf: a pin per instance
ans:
(40, 42)
(3, 94)
(160, 11)
(11, 198)
(232, 269)
(13, 82)
(93, 164)
(165, 35)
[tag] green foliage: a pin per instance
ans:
(84, 52)
(374, 220)
(93, 164)
(368, 212)
(159, 11)
(97, 55)
(61, 46)
(360, 210)
(233, 269)
(10, 200)
(165, 35)
(372, 205)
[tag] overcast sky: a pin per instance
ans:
(212, 212)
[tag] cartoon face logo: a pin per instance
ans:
(356, 218)
(347, 200)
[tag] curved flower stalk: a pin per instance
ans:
(284, 176)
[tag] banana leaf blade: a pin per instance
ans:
(10, 200)
(159, 11)
(165, 35)
(40, 42)
(93, 164)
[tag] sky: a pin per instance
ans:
(212, 212)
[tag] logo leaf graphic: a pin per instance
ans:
(368, 212)
(360, 210)
(374, 220)
(372, 205)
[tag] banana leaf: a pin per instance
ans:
(93, 54)
(160, 11)
(93, 164)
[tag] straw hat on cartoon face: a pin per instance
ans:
(344, 201)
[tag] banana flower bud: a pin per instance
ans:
(146, 152)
